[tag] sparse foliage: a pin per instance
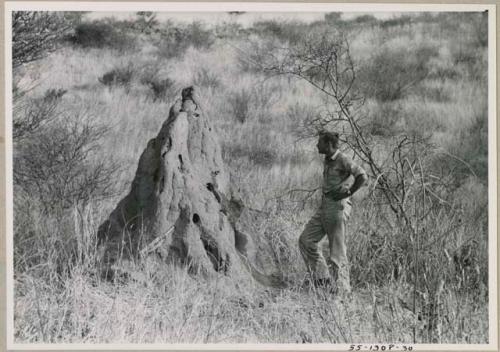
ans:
(146, 22)
(54, 164)
(176, 39)
(240, 102)
(205, 78)
(390, 73)
(286, 31)
(120, 76)
(103, 34)
(162, 89)
(35, 34)
(31, 114)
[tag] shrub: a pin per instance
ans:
(390, 254)
(146, 22)
(443, 73)
(36, 33)
(288, 31)
(258, 154)
(433, 93)
(100, 34)
(472, 58)
(45, 244)
(54, 165)
(162, 89)
(196, 35)
(120, 76)
(299, 112)
(30, 114)
(366, 20)
(169, 46)
(175, 39)
(384, 120)
(471, 146)
(205, 78)
(239, 103)
(229, 30)
(306, 120)
(480, 28)
(334, 19)
(396, 22)
(251, 57)
(391, 72)
(263, 156)
(463, 53)
(421, 122)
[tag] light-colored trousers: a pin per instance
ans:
(329, 220)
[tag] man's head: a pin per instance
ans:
(328, 142)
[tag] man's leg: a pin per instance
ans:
(334, 219)
(308, 246)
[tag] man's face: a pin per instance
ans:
(323, 146)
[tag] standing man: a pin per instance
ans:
(331, 217)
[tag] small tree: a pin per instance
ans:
(30, 114)
(324, 60)
(36, 33)
(52, 154)
(146, 22)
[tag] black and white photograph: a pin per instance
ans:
(251, 175)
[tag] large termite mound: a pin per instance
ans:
(180, 205)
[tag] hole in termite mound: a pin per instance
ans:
(220, 262)
(196, 218)
(240, 242)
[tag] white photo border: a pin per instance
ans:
(283, 7)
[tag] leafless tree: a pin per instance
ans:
(53, 154)
(324, 60)
(36, 33)
(146, 21)
(30, 114)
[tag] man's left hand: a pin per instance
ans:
(344, 193)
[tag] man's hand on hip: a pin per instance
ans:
(342, 193)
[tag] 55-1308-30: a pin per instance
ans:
(389, 347)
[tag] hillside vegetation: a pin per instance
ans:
(83, 114)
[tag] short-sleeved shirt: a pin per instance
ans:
(337, 170)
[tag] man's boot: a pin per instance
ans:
(343, 282)
(340, 278)
(334, 271)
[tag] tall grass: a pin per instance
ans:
(161, 303)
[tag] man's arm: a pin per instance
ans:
(359, 182)
(360, 179)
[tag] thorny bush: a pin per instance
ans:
(55, 163)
